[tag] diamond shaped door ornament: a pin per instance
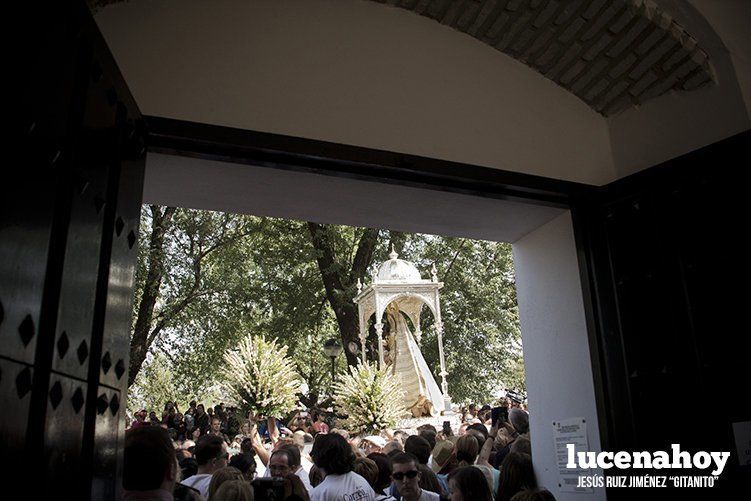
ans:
(62, 345)
(120, 368)
(56, 394)
(82, 352)
(23, 382)
(26, 330)
(77, 400)
(131, 239)
(106, 362)
(114, 404)
(101, 404)
(119, 225)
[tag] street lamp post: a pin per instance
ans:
(332, 348)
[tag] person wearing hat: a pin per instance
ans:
(444, 461)
(373, 443)
(140, 419)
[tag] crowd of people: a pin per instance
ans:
(214, 455)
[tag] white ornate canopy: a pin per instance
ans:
(398, 281)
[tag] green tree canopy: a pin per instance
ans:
(224, 276)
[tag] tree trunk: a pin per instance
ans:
(139, 344)
(341, 286)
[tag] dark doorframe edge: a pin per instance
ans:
(609, 376)
(691, 164)
(213, 142)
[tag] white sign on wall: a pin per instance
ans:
(570, 431)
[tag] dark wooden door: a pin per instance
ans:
(666, 257)
(68, 246)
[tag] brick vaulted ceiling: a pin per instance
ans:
(612, 54)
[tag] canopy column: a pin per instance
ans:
(378, 326)
(379, 334)
(444, 373)
(363, 331)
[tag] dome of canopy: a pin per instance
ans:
(398, 269)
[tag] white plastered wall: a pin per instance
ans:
(353, 72)
(556, 350)
(363, 73)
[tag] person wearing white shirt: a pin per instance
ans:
(211, 455)
(286, 460)
(333, 455)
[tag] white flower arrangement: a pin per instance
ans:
(261, 378)
(371, 398)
